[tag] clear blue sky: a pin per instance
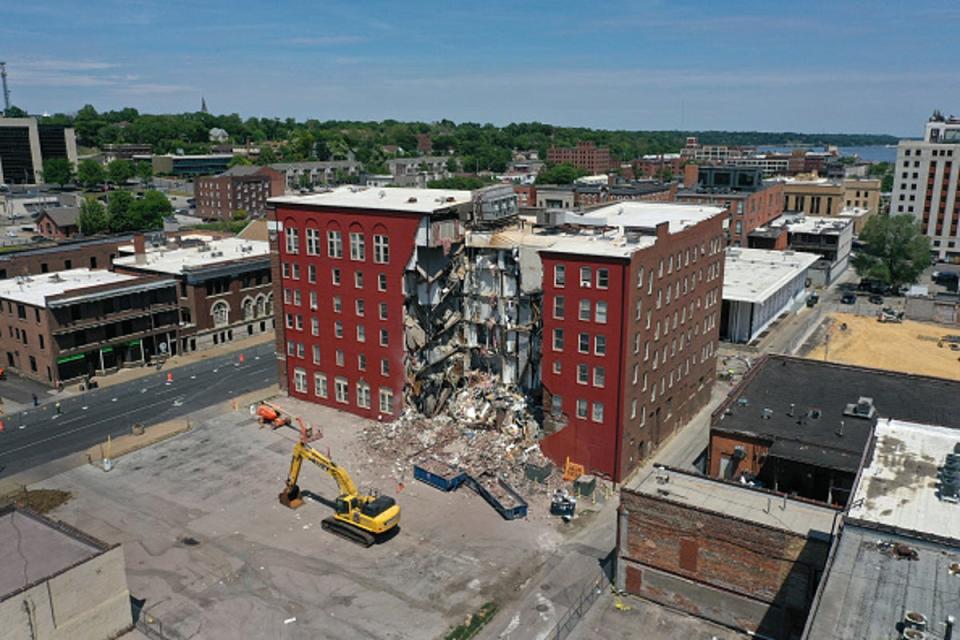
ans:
(831, 65)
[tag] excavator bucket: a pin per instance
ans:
(290, 497)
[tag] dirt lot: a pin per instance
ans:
(215, 555)
(910, 347)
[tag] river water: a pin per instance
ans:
(870, 153)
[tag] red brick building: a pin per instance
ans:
(750, 201)
(242, 187)
(58, 223)
(339, 264)
(659, 165)
(586, 155)
(630, 329)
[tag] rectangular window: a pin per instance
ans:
(296, 271)
(340, 358)
(600, 315)
(384, 367)
(358, 247)
(300, 350)
(311, 273)
(361, 333)
(358, 279)
(584, 310)
(299, 322)
(583, 374)
(381, 249)
(289, 321)
(335, 276)
(559, 275)
(603, 278)
(639, 310)
(316, 354)
(556, 405)
(384, 338)
(558, 307)
(597, 412)
(293, 244)
(557, 367)
(338, 329)
(586, 275)
(285, 269)
(599, 377)
(320, 385)
(633, 409)
(558, 339)
(600, 345)
(383, 310)
(313, 300)
(334, 244)
(583, 343)
(381, 282)
(386, 401)
(340, 389)
(300, 380)
(359, 307)
(297, 300)
(313, 242)
(581, 409)
(363, 395)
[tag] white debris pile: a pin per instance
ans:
(485, 429)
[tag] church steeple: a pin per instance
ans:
(203, 105)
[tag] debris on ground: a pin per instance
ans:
(39, 500)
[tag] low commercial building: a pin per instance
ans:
(58, 583)
(241, 188)
(829, 238)
(758, 287)
(224, 286)
(417, 172)
(750, 201)
(25, 144)
(191, 165)
(743, 557)
(801, 426)
(857, 199)
(58, 223)
(300, 175)
(95, 253)
(894, 567)
(66, 325)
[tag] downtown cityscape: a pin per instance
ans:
(479, 322)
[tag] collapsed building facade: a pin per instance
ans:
(457, 289)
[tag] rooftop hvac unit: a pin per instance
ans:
(913, 634)
(914, 620)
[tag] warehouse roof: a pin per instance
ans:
(176, 261)
(35, 289)
(650, 214)
(898, 485)
(738, 501)
(803, 407)
(385, 199)
(753, 275)
(36, 548)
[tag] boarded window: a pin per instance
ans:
(689, 550)
(634, 580)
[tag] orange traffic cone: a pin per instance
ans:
(169, 377)
(241, 358)
(1, 426)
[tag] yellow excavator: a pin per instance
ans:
(361, 519)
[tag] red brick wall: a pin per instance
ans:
(401, 229)
(722, 444)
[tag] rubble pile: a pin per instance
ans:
(484, 429)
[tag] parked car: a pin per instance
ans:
(812, 299)
(875, 298)
(848, 298)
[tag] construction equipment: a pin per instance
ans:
(888, 314)
(271, 415)
(361, 519)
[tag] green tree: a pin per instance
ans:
(149, 211)
(239, 161)
(895, 251)
(305, 181)
(15, 112)
(467, 183)
(119, 171)
(91, 173)
(57, 171)
(120, 216)
(240, 215)
(560, 174)
(144, 171)
(267, 156)
(93, 217)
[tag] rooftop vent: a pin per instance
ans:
(743, 402)
(913, 634)
(766, 414)
(915, 620)
(412, 199)
(814, 414)
(862, 409)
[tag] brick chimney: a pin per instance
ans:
(691, 175)
(139, 248)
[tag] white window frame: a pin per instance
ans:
(341, 390)
(358, 246)
(381, 249)
(334, 244)
(300, 380)
(320, 385)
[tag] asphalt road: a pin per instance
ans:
(37, 436)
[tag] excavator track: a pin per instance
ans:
(348, 532)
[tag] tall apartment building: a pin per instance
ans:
(242, 187)
(586, 156)
(25, 144)
(750, 201)
(925, 183)
(390, 295)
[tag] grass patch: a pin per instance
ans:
(39, 500)
(474, 622)
(225, 226)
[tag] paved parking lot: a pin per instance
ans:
(215, 555)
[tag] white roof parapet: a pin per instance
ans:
(754, 275)
(383, 199)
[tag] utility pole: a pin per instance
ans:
(6, 90)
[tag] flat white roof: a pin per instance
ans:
(174, 261)
(34, 290)
(382, 198)
(813, 224)
(610, 243)
(753, 275)
(650, 214)
(898, 484)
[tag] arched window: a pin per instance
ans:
(248, 308)
(269, 306)
(261, 305)
(221, 314)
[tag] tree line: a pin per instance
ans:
(477, 146)
(124, 212)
